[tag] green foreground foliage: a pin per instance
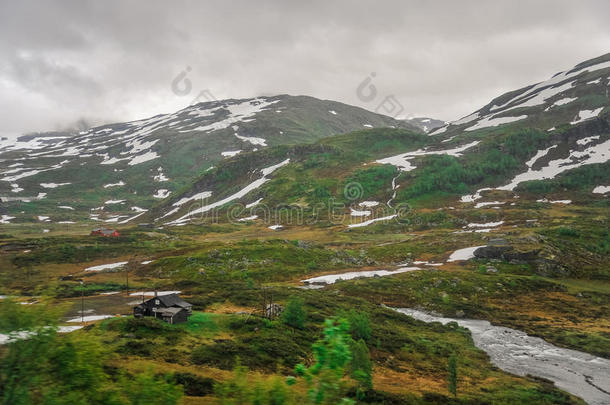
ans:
(38, 366)
(325, 380)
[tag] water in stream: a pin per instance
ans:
(581, 374)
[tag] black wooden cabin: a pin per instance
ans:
(170, 308)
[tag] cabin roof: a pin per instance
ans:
(173, 300)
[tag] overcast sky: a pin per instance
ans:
(106, 61)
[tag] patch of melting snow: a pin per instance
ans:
(160, 177)
(145, 157)
(119, 184)
(236, 113)
(253, 140)
(356, 213)
(552, 83)
(53, 185)
(586, 114)
(463, 254)
(90, 318)
(162, 193)
(333, 278)
(372, 221)
(250, 218)
(485, 204)
(587, 140)
(43, 218)
(427, 263)
(403, 161)
(581, 374)
(485, 225)
(275, 227)
(539, 154)
(369, 204)
(493, 122)
(473, 197)
(65, 207)
(596, 190)
(106, 266)
(110, 161)
(332, 112)
(199, 196)
(255, 203)
(15, 188)
(114, 202)
(230, 153)
(367, 125)
(131, 218)
(564, 101)
(147, 261)
(439, 130)
(242, 193)
(114, 218)
(466, 119)
(599, 153)
(544, 200)
(5, 219)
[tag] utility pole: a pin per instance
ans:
(127, 280)
(264, 301)
(82, 302)
(271, 308)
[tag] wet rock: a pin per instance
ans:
(303, 244)
(459, 314)
(492, 251)
(498, 242)
(273, 310)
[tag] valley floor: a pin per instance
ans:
(556, 287)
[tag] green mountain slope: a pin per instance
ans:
(560, 141)
(115, 171)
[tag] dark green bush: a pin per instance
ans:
(294, 314)
(195, 385)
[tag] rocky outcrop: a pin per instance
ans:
(544, 259)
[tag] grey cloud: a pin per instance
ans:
(115, 60)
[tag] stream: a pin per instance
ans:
(578, 373)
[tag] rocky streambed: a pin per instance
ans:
(578, 373)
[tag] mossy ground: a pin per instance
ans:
(221, 268)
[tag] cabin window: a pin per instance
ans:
(157, 302)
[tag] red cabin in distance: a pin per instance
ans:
(109, 233)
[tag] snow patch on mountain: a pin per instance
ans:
(162, 193)
(403, 161)
(241, 193)
(494, 122)
(230, 153)
(586, 114)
